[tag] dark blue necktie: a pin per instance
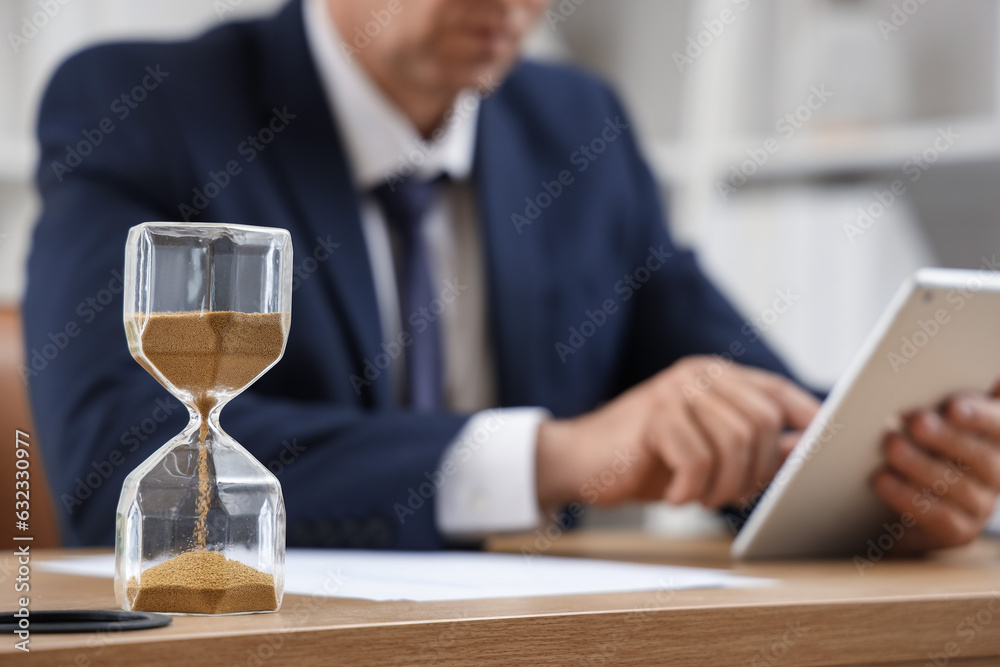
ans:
(405, 205)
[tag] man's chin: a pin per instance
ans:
(483, 77)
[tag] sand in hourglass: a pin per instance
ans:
(207, 353)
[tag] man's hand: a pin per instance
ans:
(944, 470)
(705, 429)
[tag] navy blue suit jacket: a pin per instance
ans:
(587, 294)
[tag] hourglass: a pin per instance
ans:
(201, 523)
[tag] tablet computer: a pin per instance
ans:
(939, 334)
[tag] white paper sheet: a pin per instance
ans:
(454, 575)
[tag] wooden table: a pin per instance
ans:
(910, 613)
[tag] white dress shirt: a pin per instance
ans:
(487, 476)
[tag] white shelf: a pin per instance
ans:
(837, 151)
(885, 149)
(17, 160)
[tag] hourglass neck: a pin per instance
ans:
(205, 410)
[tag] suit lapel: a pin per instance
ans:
(519, 291)
(314, 168)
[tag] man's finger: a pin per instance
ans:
(975, 412)
(732, 439)
(786, 443)
(945, 524)
(929, 430)
(938, 479)
(766, 417)
(798, 405)
(685, 454)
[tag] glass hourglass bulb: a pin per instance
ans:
(201, 523)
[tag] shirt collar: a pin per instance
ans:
(379, 139)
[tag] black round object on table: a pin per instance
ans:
(84, 620)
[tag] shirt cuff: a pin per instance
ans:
(488, 475)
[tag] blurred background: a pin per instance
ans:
(776, 127)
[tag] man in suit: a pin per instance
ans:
(491, 321)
